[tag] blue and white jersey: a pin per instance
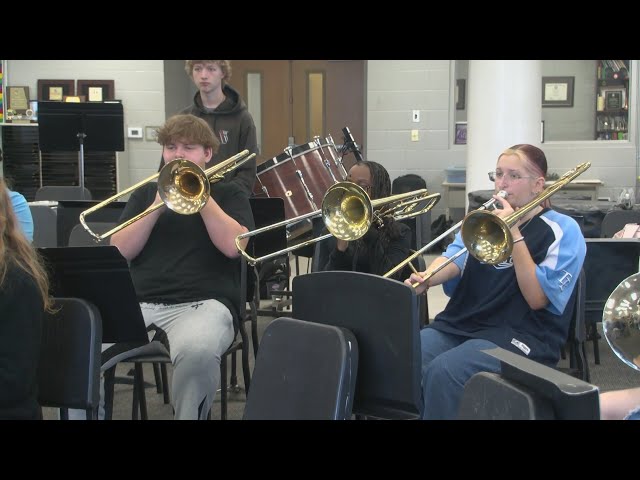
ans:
(486, 301)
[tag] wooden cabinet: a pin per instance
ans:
(612, 100)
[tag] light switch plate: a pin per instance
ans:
(134, 132)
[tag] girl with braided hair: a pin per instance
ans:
(382, 247)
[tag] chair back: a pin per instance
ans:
(69, 365)
(578, 365)
(615, 220)
(62, 192)
(383, 315)
(527, 390)
(304, 371)
(45, 226)
(81, 238)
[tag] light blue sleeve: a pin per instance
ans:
(454, 247)
(559, 271)
(23, 213)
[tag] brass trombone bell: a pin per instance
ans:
(348, 212)
(183, 187)
(486, 236)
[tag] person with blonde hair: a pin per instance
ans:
(521, 304)
(24, 299)
(222, 107)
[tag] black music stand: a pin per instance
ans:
(100, 275)
(527, 390)
(74, 127)
(267, 211)
(383, 315)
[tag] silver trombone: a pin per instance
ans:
(348, 212)
(183, 187)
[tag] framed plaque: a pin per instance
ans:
(74, 98)
(557, 91)
(18, 100)
(55, 90)
(613, 100)
(96, 90)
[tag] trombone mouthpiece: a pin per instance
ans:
(502, 194)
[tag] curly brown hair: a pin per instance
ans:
(189, 128)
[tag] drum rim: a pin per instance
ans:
(273, 163)
(295, 152)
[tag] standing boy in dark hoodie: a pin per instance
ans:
(221, 106)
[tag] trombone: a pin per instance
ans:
(183, 186)
(486, 236)
(348, 212)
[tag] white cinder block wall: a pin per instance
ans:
(138, 83)
(394, 89)
(397, 87)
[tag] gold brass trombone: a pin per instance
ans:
(484, 206)
(183, 187)
(486, 236)
(348, 212)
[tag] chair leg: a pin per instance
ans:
(109, 384)
(158, 378)
(233, 381)
(594, 339)
(135, 402)
(583, 354)
(223, 388)
(254, 328)
(142, 400)
(245, 360)
(165, 384)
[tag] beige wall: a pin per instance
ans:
(394, 89)
(138, 83)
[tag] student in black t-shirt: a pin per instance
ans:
(185, 268)
(24, 298)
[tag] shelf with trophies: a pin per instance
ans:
(612, 100)
(28, 168)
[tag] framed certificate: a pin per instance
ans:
(55, 90)
(96, 90)
(557, 91)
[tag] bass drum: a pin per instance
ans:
(301, 176)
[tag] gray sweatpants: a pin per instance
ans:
(198, 333)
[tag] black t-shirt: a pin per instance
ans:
(21, 313)
(179, 263)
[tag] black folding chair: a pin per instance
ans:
(69, 365)
(304, 371)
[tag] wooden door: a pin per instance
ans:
(303, 98)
